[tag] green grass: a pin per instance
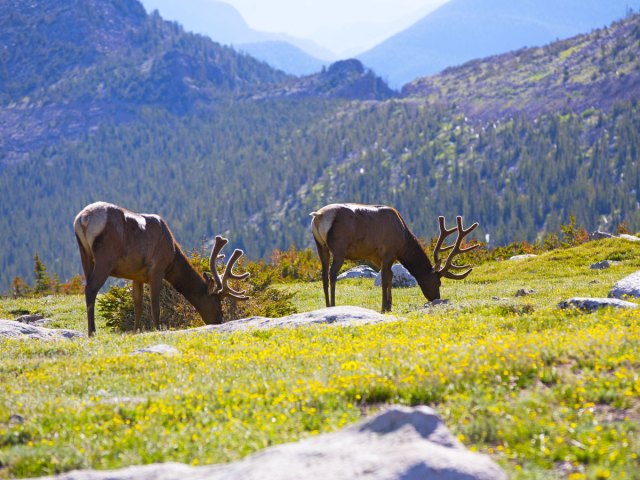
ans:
(547, 393)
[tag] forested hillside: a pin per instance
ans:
(253, 161)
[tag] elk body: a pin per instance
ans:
(114, 241)
(379, 234)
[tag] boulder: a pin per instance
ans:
(592, 304)
(13, 329)
(400, 443)
(603, 265)
(361, 271)
(523, 292)
(598, 235)
(401, 277)
(629, 238)
(523, 256)
(341, 315)
(627, 287)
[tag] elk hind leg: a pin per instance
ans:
(324, 254)
(336, 264)
(138, 291)
(95, 281)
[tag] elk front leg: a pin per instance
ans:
(387, 282)
(154, 289)
(138, 290)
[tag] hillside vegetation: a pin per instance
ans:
(547, 393)
(161, 121)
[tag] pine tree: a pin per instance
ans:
(43, 282)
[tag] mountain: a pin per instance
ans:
(462, 30)
(590, 71)
(113, 104)
(224, 24)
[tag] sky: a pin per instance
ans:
(343, 26)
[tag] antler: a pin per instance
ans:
(222, 288)
(444, 233)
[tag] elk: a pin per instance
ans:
(114, 241)
(379, 234)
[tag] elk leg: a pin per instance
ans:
(94, 284)
(138, 290)
(323, 253)
(155, 286)
(333, 276)
(387, 282)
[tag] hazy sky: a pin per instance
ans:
(341, 25)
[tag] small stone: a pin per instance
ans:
(16, 419)
(524, 292)
(523, 257)
(160, 349)
(603, 265)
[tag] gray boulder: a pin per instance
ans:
(361, 271)
(400, 443)
(592, 304)
(598, 235)
(603, 265)
(629, 238)
(13, 329)
(341, 315)
(33, 319)
(401, 277)
(627, 287)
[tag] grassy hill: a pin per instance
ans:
(218, 143)
(547, 393)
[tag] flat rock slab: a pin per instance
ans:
(159, 349)
(627, 287)
(342, 315)
(592, 304)
(13, 329)
(523, 256)
(399, 443)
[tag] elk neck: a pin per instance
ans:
(186, 280)
(414, 258)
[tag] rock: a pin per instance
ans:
(401, 277)
(33, 319)
(524, 292)
(341, 315)
(13, 329)
(361, 271)
(627, 287)
(603, 265)
(598, 235)
(400, 443)
(629, 238)
(160, 349)
(436, 302)
(522, 257)
(592, 304)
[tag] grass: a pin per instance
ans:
(547, 393)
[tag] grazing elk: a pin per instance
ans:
(116, 242)
(379, 234)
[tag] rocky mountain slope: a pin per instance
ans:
(462, 30)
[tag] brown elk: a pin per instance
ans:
(379, 234)
(114, 241)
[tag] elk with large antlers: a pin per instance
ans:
(116, 242)
(379, 234)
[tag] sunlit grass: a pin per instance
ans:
(547, 393)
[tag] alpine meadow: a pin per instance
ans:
(106, 110)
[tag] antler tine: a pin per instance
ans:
(228, 274)
(456, 250)
(444, 233)
(219, 243)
